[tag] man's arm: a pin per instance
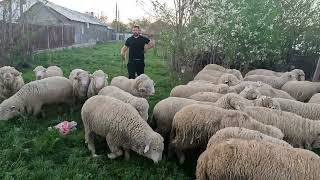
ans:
(151, 44)
(123, 50)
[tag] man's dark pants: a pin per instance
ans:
(135, 67)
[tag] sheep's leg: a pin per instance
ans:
(127, 154)
(180, 156)
(89, 139)
(115, 150)
(37, 109)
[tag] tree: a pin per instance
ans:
(142, 22)
(122, 27)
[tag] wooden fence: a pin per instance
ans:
(37, 37)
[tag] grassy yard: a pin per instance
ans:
(29, 151)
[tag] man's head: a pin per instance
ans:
(136, 30)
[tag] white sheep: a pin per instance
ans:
(11, 82)
(275, 82)
(194, 124)
(216, 67)
(301, 90)
(268, 102)
(198, 82)
(51, 71)
(122, 126)
(298, 131)
(242, 133)
(141, 86)
(165, 110)
(306, 110)
(298, 73)
(206, 96)
(243, 84)
(251, 159)
(32, 96)
(98, 80)
(252, 93)
(80, 80)
(217, 77)
(188, 90)
(140, 104)
(315, 98)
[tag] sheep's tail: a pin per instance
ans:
(201, 167)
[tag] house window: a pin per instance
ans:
(82, 29)
(88, 26)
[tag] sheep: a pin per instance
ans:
(298, 131)
(11, 82)
(80, 80)
(165, 110)
(51, 71)
(198, 82)
(98, 80)
(243, 84)
(142, 86)
(194, 124)
(306, 110)
(140, 104)
(301, 90)
(206, 96)
(252, 159)
(268, 102)
(216, 67)
(242, 133)
(298, 73)
(122, 126)
(252, 93)
(188, 90)
(275, 82)
(32, 96)
(315, 98)
(217, 77)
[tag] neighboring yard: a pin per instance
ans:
(29, 151)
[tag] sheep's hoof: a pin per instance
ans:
(95, 155)
(182, 159)
(112, 156)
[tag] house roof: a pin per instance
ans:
(73, 15)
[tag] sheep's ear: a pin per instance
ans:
(146, 149)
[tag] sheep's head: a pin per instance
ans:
(8, 110)
(289, 76)
(40, 72)
(234, 101)
(250, 93)
(8, 74)
(83, 79)
(267, 102)
(299, 74)
(154, 147)
(99, 79)
(145, 86)
(229, 79)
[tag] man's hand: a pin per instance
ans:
(123, 52)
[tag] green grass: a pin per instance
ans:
(29, 151)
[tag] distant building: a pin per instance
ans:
(87, 29)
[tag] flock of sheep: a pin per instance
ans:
(261, 126)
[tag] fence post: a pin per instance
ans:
(316, 75)
(62, 36)
(47, 28)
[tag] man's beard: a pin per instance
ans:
(135, 34)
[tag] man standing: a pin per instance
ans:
(136, 44)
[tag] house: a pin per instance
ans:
(87, 28)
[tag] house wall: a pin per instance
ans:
(85, 33)
(40, 15)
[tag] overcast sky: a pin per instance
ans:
(128, 8)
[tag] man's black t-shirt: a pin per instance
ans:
(136, 47)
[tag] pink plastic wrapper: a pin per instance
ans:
(65, 127)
